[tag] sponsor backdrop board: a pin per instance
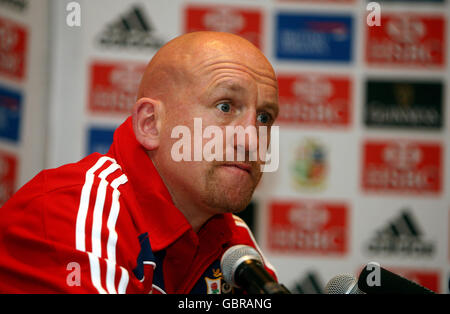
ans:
(24, 75)
(364, 118)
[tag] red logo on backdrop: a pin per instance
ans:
(239, 21)
(314, 100)
(410, 40)
(402, 166)
(427, 278)
(114, 86)
(8, 164)
(13, 48)
(308, 227)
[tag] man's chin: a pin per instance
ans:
(229, 200)
(230, 207)
(229, 190)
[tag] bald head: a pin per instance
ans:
(180, 62)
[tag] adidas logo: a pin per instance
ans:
(401, 236)
(19, 5)
(132, 29)
(309, 284)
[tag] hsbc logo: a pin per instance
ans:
(224, 20)
(405, 29)
(8, 37)
(126, 77)
(314, 89)
(402, 166)
(402, 155)
(13, 47)
(406, 39)
(314, 100)
(244, 22)
(309, 216)
(308, 227)
(113, 86)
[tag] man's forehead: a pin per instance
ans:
(205, 49)
(238, 85)
(262, 70)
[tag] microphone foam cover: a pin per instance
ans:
(342, 284)
(233, 257)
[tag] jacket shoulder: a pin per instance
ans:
(243, 235)
(64, 215)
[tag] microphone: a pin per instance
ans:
(343, 284)
(376, 280)
(242, 267)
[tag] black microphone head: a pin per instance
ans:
(343, 284)
(374, 279)
(235, 256)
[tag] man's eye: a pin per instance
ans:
(224, 107)
(264, 118)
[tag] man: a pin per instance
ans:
(136, 220)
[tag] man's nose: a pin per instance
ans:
(248, 122)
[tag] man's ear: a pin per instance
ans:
(147, 118)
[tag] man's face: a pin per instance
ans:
(224, 92)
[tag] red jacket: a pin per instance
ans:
(107, 224)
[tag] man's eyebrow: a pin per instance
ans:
(271, 106)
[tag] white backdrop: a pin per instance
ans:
(24, 55)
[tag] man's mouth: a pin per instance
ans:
(240, 165)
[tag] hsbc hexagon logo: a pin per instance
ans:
(308, 216)
(402, 155)
(406, 29)
(245, 22)
(224, 20)
(314, 89)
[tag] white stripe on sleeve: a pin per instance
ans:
(80, 241)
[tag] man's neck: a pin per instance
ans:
(191, 211)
